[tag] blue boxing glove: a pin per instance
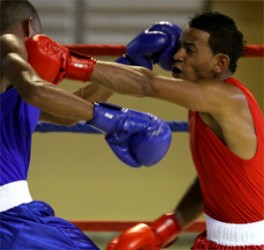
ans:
(157, 44)
(136, 138)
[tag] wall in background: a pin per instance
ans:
(112, 21)
(250, 20)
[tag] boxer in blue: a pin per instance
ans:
(136, 138)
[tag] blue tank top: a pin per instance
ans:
(17, 123)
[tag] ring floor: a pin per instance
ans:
(101, 239)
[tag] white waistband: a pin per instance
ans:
(229, 234)
(13, 194)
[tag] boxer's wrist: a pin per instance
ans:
(106, 116)
(80, 69)
(167, 227)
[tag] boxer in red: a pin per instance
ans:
(226, 136)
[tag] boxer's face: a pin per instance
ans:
(194, 60)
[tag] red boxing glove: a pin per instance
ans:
(159, 234)
(54, 62)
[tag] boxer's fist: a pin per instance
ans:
(140, 237)
(159, 234)
(136, 138)
(157, 44)
(54, 62)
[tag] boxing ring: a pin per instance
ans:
(253, 50)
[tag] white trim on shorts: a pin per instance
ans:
(14, 194)
(229, 234)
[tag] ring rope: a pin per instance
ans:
(98, 49)
(251, 50)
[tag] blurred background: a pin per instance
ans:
(77, 173)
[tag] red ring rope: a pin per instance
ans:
(98, 49)
(252, 50)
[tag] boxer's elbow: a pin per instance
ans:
(35, 94)
(31, 94)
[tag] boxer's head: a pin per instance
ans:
(224, 36)
(20, 18)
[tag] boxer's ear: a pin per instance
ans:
(32, 27)
(221, 63)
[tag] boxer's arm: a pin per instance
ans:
(123, 79)
(33, 89)
(42, 94)
(93, 93)
(208, 96)
(190, 206)
(90, 92)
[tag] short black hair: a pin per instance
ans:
(224, 35)
(17, 11)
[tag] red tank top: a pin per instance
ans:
(233, 188)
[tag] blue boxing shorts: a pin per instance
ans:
(33, 225)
